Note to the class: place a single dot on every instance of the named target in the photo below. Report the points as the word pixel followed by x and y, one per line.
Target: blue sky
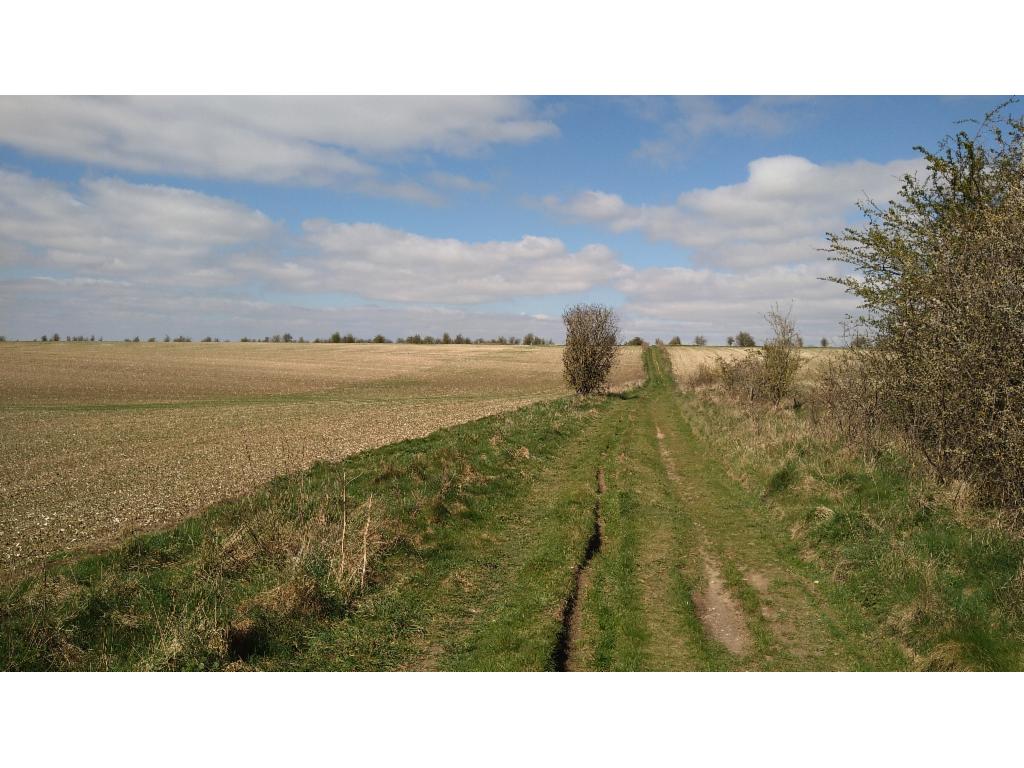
pixel 484 216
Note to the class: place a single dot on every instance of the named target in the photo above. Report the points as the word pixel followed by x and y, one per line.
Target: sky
pixel 251 216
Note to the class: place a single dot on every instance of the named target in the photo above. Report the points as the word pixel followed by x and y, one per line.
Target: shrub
pixel 780 356
pixel 675 342
pixel 636 341
pixel 939 273
pixel 744 339
pixel 767 374
pixel 591 338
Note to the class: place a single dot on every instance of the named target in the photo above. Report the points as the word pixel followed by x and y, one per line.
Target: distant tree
pixel 44 338
pixel 675 341
pixel 636 341
pixel 446 338
pixel 207 338
pixel 730 341
pixel 744 339
pixel 167 337
pixel 824 341
pixel 700 341
pixel 336 337
pixel 55 337
pixel 287 338
pixel 379 339
pixel 591 336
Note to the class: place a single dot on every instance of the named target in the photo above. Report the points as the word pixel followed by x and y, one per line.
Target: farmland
pixel 98 441
pixel 664 527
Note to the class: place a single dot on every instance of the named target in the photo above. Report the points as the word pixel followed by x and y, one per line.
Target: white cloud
pixel 112 227
pixel 377 262
pixel 667 301
pixel 300 140
pixel 114 309
pixel 779 214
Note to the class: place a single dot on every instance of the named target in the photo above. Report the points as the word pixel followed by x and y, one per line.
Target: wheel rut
pixel 563 655
pixel 719 612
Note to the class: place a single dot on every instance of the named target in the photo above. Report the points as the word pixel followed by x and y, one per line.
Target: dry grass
pixel 686 361
pixel 98 441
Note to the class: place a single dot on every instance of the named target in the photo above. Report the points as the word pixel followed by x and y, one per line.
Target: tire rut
pixel 718 611
pixel 563 656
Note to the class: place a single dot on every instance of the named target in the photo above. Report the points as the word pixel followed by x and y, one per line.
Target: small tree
pixel 824 341
pixel 636 341
pixel 675 342
pixel 700 341
pixel 744 339
pixel 730 341
pixel 591 338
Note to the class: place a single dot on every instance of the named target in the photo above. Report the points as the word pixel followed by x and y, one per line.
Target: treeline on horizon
pixel 741 339
pixel 530 339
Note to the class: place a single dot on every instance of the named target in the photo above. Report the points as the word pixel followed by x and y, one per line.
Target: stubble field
pixel 98 441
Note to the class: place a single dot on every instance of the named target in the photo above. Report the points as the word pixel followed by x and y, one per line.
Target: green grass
pixel 474 535
pixel 945 586
pixel 453 523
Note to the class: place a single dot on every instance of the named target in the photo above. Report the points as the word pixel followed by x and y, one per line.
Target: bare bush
pixel 780 356
pixel 766 374
pixel 591 343
pixel 941 277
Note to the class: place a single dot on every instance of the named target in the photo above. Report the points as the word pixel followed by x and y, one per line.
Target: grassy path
pixel 696 574
pixel 599 534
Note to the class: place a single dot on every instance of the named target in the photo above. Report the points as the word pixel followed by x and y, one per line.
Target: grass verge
pixel 430 553
pixel 942 578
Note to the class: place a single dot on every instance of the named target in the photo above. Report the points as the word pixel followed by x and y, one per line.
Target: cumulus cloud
pixel 144 259
pixel 779 214
pixel 378 262
pixel 299 140
pixel 112 227
pixel 115 309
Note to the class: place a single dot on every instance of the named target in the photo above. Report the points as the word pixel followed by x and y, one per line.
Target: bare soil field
pixel 98 441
